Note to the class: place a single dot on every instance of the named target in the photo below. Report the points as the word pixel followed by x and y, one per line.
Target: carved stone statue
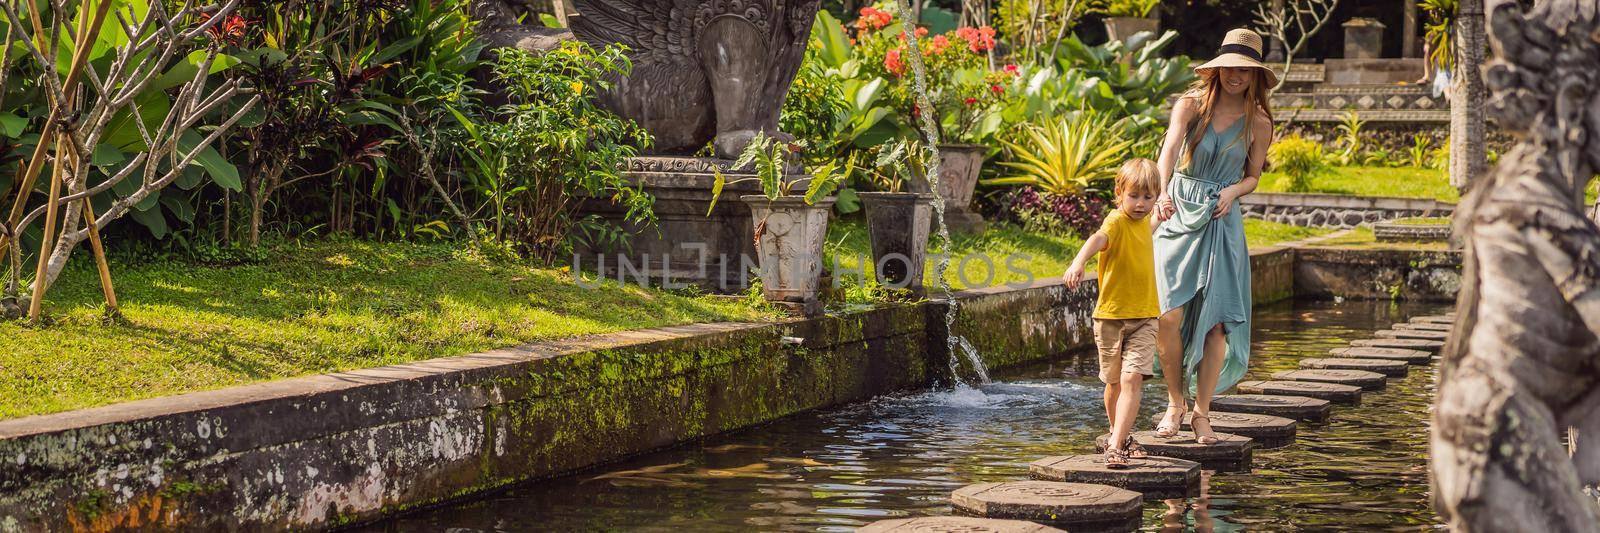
pixel 1524 362
pixel 703 70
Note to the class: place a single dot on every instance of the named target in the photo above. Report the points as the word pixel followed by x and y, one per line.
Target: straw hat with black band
pixel 1240 48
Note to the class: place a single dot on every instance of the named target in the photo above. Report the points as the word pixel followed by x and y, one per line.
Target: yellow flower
pixel 577 87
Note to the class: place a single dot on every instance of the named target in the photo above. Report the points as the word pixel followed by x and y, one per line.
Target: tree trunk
pixel 1523 363
pixel 1468 162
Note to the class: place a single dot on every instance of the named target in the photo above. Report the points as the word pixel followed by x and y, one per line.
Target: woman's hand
pixel 1225 200
pixel 1164 208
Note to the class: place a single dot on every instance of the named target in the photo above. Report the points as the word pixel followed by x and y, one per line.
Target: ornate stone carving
pixel 1522 366
pixel 704 70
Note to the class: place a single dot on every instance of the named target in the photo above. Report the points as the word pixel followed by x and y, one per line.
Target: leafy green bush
pixel 1421 150
pixel 1349 140
pixel 1066 155
pixel 1127 8
pixel 1299 159
pixel 552 145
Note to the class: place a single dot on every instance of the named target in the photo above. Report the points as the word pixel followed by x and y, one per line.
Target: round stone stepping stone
pixel 1158 478
pixel 1357 378
pixel 1435 319
pixel 1411 334
pixel 1422 326
pixel 1387 367
pixel 1296 407
pixel 1414 357
pixel 1231 454
pixel 1332 392
pixel 965 524
pixel 1267 431
pixel 1406 344
pixel 1074 505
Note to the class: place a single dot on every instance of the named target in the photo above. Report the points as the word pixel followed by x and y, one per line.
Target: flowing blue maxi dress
pixel 1203 265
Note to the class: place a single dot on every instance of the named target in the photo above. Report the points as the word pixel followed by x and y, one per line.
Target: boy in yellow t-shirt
pixel 1125 315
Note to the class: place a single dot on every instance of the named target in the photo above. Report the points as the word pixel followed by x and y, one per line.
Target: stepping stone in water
pixel 1422 326
pixel 1231 454
pixel 1158 478
pixel 1415 357
pixel 1345 394
pixel 1361 379
pixel 1296 407
pixel 1435 319
pixel 1267 431
pixel 1078 506
pixel 1411 334
pixel 1387 367
pixel 1405 344
pixel 955 523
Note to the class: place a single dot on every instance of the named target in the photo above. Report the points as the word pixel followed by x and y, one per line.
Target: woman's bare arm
pixel 1177 127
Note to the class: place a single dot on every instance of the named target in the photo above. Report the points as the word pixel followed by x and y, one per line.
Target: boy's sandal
pixel 1205 440
pixel 1134 449
pixel 1116 459
pixel 1168 429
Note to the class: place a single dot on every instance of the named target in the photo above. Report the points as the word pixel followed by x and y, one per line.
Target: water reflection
pixel 901 456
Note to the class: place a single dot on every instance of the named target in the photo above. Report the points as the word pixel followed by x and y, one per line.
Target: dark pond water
pixel 897 456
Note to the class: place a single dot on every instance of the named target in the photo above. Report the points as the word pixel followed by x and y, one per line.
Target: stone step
pixel 1296 407
pixel 1432 346
pixel 1344 394
pixel 1411 334
pixel 1158 478
pixel 1419 116
pixel 1231 454
pixel 1076 506
pixel 1415 357
pixel 1388 367
pixel 1363 379
pixel 1267 431
pixel 1435 319
pixel 956 524
pixel 925 524
pixel 1423 326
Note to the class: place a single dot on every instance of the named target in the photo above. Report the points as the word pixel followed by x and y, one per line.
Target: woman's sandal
pixel 1116 459
pixel 1205 440
pixel 1169 427
pixel 1134 449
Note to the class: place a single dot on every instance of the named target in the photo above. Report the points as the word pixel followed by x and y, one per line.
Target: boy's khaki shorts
pixel 1126 345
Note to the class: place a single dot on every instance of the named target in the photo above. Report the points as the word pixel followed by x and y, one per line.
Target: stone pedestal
pixel 965 524
pixel 1365 380
pixel 1344 394
pixel 1432 346
pixel 1155 477
pixel 687 246
pixel 1412 334
pixel 1386 367
pixel 1415 357
pixel 1296 407
pixel 1121 28
pixel 1231 453
pixel 1422 326
pixel 1436 319
pixel 959 167
pixel 1363 39
pixel 1266 431
pixel 1078 506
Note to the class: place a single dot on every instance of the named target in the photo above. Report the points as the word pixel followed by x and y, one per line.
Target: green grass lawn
pixel 1362 238
pixel 1260 233
pixel 1404 182
pixel 319 308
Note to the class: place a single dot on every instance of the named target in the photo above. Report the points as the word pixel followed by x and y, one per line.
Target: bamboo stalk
pixel 80 55
pixel 100 257
pixel 49 235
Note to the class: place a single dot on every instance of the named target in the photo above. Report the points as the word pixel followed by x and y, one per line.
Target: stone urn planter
pixel 789 235
pixel 1121 28
pixel 959 166
pixel 898 224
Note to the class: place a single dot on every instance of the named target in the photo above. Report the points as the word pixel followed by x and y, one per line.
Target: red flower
pixel 873 19
pixel 229 31
pixel 892 62
pixel 922 32
pixel 1011 69
pixel 997 89
pixel 938 44
pixel 970 101
pixel 978 39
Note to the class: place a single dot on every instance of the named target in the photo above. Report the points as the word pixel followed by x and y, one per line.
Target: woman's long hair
pixel 1207 90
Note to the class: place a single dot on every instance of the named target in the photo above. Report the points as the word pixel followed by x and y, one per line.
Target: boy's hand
pixel 1164 208
pixel 1073 276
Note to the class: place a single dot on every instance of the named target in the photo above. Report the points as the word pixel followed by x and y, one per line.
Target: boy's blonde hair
pixel 1139 174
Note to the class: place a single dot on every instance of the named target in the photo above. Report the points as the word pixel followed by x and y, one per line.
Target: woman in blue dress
pixel 1214 151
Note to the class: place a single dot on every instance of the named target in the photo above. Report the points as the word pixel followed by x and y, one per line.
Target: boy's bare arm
pixel 1095 245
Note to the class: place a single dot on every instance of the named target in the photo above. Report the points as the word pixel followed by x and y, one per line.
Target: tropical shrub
pixel 1421 147
pixel 1439 30
pixel 1058 214
pixel 770 161
pixel 1126 8
pixel 1349 139
pixel 1066 155
pixel 1298 159
pixel 552 146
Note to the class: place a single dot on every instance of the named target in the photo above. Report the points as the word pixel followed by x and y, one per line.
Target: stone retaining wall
pixel 323 451
pixel 1377 274
pixel 1337 211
